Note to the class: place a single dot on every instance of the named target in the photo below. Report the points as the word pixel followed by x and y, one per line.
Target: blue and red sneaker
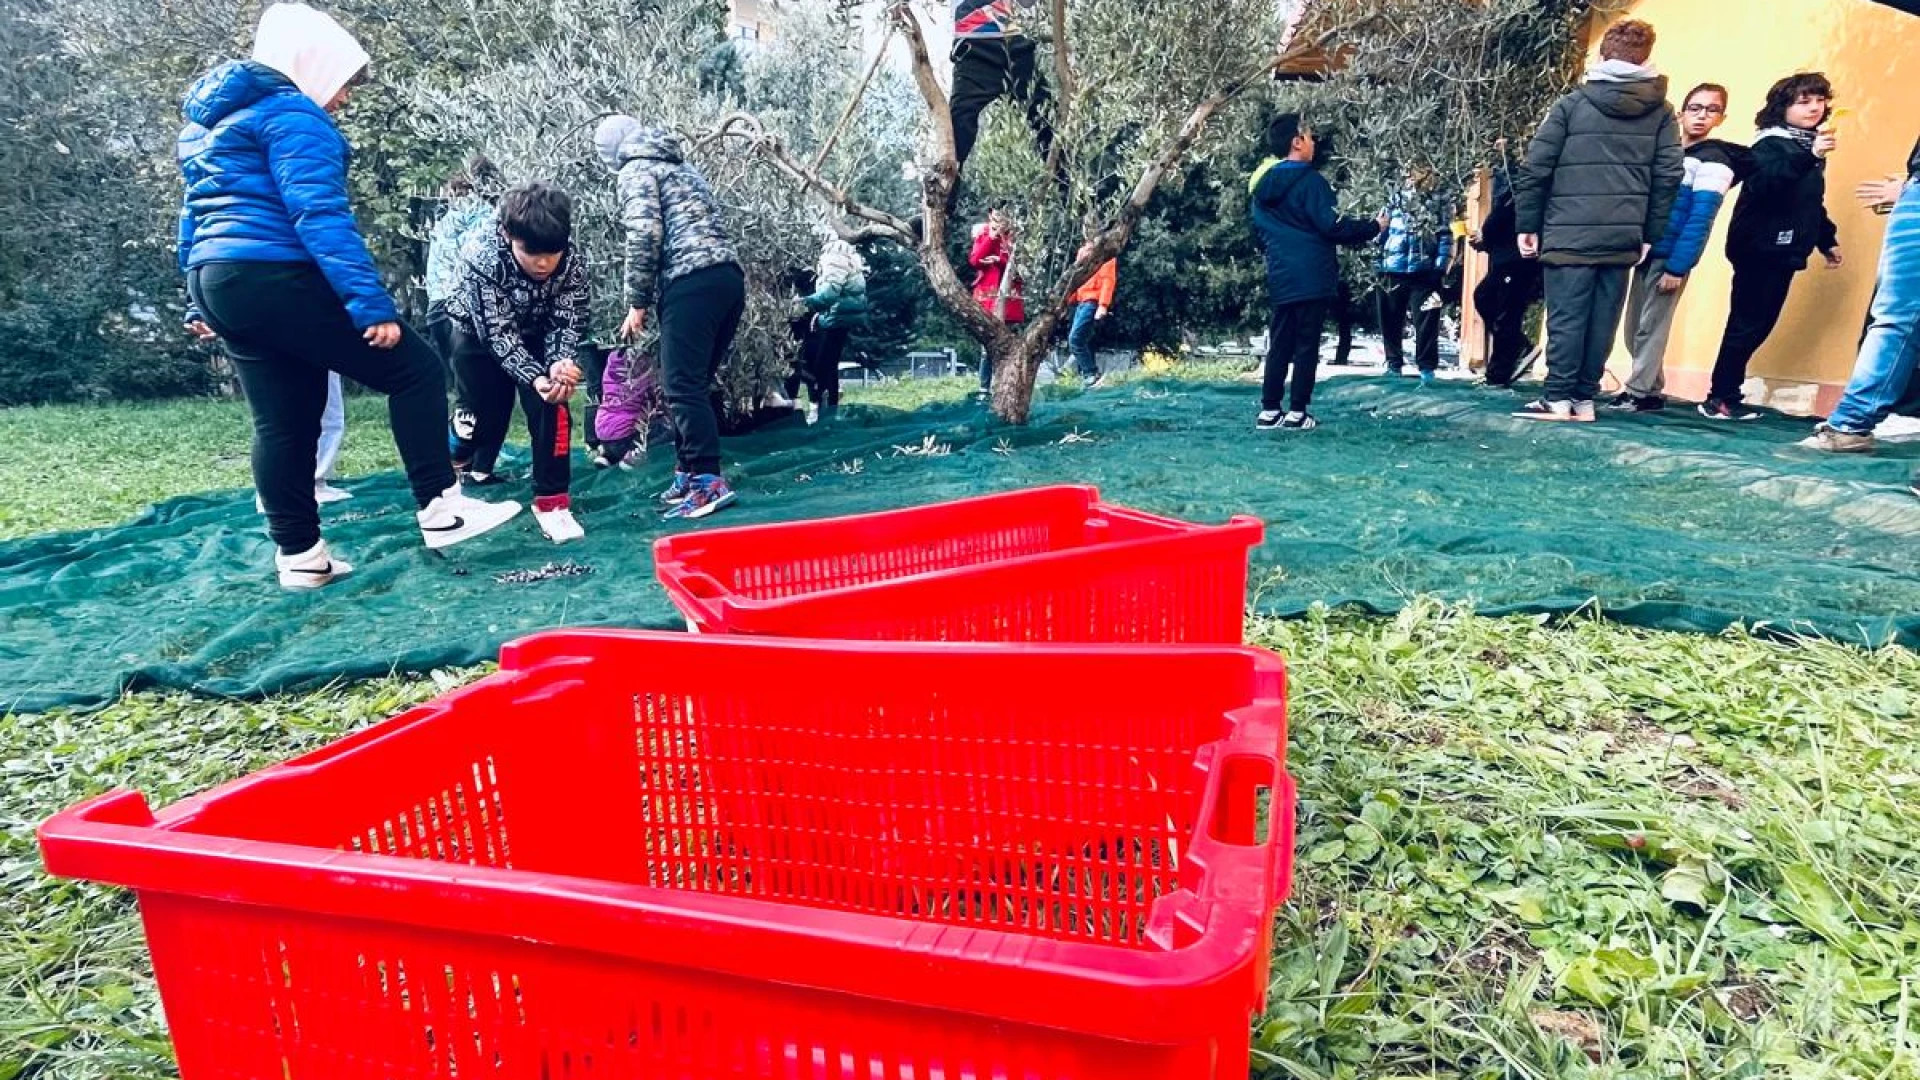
pixel 705 495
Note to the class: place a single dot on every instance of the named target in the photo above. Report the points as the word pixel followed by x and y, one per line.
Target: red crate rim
pixel 698 593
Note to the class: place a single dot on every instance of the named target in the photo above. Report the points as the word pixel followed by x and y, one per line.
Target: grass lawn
pixel 1527 849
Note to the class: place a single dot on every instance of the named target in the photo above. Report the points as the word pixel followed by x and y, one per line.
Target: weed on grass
pixel 1532 850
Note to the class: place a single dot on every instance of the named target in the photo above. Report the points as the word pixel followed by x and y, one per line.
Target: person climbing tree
pixel 993 57
pixel 996 283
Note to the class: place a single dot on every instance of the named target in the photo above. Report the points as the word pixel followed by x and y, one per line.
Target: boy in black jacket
pixel 1511 284
pixel 1781 219
pixel 1295 225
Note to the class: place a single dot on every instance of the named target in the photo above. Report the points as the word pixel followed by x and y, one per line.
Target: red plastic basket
pixel 635 855
pixel 1050 564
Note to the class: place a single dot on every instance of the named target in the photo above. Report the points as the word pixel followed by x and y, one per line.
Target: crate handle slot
pixel 703 586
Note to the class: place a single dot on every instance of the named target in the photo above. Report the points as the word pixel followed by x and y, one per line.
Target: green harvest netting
pixel 1668 521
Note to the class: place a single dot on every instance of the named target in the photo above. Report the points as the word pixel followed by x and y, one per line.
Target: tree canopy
pixel 1158 110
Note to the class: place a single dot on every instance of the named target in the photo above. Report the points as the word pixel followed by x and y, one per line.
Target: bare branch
pixel 1066 86
pixel 853 104
pixel 741 125
pixel 946 171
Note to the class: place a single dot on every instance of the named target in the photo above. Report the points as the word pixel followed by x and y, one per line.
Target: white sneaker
pixel 559 525
pixel 324 493
pixel 813 413
pixel 1546 410
pixel 310 569
pixel 1583 412
pixel 454 517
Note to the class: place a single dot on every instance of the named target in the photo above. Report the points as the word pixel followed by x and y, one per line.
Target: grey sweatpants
pixel 1583 315
pixel 1649 323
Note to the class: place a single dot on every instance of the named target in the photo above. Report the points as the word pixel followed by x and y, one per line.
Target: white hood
pixel 307 46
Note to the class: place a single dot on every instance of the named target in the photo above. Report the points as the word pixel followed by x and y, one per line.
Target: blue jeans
pixel 1080 339
pixel 1888 355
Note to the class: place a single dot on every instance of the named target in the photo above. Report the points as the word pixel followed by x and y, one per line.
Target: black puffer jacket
pixel 1602 173
pixel 1782 213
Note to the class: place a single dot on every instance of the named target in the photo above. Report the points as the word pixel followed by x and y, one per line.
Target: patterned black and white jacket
pixel 511 312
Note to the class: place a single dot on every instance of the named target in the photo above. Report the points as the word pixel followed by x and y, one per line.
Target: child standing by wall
pixel 1780 220
pixel 518 311
pixel 1713 167
pixel 1596 194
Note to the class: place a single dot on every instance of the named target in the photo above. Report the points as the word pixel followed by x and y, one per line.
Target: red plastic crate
pixel 650 856
pixel 1049 564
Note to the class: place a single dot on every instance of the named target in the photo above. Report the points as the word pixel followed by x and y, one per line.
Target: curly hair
pixel 1630 40
pixel 1787 92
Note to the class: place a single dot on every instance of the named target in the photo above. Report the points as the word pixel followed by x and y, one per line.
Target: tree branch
pixel 1066 86
pixel 840 125
pixel 740 125
pixel 946 170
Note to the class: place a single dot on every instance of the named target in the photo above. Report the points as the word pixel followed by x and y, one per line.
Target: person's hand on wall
pixel 1825 143
pixel 1880 195
pixel 1834 259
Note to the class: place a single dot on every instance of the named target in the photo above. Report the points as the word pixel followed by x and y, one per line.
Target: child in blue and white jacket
pixel 1713 167
pixel 1416 250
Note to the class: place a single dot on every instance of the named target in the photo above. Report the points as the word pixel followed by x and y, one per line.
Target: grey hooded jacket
pixel 674 224
pixel 1602 173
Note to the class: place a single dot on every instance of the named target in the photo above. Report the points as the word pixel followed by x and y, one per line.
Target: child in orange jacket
pixel 1091 303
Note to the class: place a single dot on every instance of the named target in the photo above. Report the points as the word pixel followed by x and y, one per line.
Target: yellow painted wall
pixel 1872 54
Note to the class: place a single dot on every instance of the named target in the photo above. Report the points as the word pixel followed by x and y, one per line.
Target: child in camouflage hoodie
pixel 680 261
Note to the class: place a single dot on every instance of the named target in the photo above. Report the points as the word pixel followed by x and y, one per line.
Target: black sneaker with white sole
pixel 1269 420
pixel 1299 421
pixel 1627 402
pixel 1715 409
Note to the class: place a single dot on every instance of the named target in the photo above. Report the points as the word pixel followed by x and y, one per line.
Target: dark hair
pixel 1707 88
pixel 1282 131
pixel 1786 92
pixel 1629 39
pixel 479 174
pixel 538 215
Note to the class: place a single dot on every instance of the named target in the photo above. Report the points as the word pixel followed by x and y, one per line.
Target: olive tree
pixel 533 106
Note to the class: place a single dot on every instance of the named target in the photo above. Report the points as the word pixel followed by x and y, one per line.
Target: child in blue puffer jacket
pixel 276 268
